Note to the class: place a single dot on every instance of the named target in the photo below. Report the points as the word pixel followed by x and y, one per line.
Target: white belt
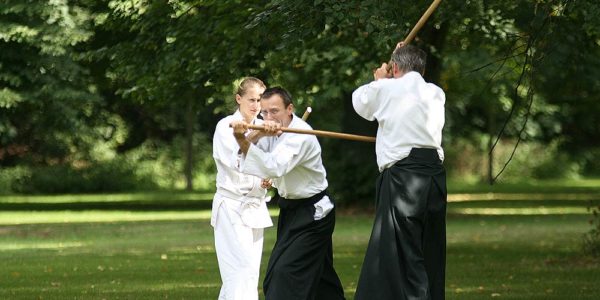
pixel 252 210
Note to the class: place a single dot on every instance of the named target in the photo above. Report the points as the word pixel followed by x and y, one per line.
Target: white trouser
pixel 239 250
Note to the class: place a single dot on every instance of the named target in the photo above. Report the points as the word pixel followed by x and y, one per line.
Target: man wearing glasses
pixel 301 264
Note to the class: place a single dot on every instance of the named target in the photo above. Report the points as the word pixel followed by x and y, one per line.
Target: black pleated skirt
pixel 301 264
pixel 406 255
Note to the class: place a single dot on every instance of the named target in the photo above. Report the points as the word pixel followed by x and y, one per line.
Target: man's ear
pixel 290 109
pixel 396 72
pixel 395 69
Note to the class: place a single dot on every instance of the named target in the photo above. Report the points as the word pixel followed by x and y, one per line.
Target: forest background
pixel 120 96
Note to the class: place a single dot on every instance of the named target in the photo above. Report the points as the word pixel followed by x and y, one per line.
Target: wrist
pixel 244 144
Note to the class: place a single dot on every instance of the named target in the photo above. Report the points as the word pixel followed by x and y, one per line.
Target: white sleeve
pixel 365 100
pixel 225 148
pixel 277 163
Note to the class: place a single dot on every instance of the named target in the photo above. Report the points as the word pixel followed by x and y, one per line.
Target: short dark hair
pixel 277 90
pixel 410 58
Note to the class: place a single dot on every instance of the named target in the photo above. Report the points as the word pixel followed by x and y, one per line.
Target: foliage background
pixel 103 96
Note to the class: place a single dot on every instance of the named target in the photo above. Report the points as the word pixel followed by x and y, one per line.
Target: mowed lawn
pixel 502 249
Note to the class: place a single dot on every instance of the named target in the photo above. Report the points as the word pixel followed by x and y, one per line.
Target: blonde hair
pixel 247 83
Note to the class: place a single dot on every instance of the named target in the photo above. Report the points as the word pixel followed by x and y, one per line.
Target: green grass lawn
pixel 513 257
pixel 503 249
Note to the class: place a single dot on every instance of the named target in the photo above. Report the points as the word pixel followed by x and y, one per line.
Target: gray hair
pixel 410 58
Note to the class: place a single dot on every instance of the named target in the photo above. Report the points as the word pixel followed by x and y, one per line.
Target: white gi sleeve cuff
pixel 323 208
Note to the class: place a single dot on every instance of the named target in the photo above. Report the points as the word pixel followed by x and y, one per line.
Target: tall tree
pixel 174 58
pixel 47 103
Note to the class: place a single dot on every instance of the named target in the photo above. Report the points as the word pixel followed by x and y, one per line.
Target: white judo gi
pixel 239 216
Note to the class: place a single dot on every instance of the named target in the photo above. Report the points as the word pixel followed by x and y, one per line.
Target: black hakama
pixel 406 255
pixel 301 264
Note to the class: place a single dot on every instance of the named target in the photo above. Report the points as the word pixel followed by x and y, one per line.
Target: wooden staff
pixel 306 113
pixel 337 135
pixel 422 21
pixel 413 33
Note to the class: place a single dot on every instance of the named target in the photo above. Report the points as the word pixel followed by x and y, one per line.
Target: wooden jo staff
pixel 413 33
pixel 422 21
pixel 306 113
pixel 353 137
pixel 345 136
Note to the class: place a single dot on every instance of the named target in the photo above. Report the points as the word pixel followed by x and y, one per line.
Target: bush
pixel 9 177
pixel 164 162
pixel 591 163
pixel 467 160
pixel 556 165
pixel 591 240
pixel 113 176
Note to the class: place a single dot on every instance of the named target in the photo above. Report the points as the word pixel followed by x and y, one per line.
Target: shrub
pixel 591 240
pixel 9 177
pixel 112 176
pixel 467 160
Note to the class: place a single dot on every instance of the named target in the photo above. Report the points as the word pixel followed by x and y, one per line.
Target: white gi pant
pixel 239 250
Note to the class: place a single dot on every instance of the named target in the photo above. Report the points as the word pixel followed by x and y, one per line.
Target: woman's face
pixel 249 103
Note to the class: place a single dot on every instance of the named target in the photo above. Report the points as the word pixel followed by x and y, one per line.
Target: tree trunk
pixel 437 39
pixel 491 134
pixel 189 144
pixel 490 173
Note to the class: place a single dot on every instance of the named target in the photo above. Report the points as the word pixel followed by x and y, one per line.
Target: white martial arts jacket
pixel 293 161
pixel 410 113
pixel 241 193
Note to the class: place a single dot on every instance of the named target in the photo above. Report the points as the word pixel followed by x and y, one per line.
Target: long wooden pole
pixel 306 113
pixel 323 133
pixel 422 21
pixel 413 33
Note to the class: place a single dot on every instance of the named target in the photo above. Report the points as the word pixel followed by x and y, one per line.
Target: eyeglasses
pixel 271 112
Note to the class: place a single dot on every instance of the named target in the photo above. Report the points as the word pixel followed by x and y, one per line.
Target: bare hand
pixel 266 183
pixel 381 72
pixel 239 129
pixel 272 128
pixel 399 45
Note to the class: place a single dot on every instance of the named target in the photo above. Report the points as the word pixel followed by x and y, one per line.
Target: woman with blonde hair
pixel 239 211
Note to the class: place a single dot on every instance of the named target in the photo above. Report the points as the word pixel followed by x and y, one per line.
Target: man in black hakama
pixel 406 255
pixel 406 252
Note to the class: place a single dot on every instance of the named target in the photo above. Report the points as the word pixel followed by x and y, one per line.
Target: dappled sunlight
pixel 519 211
pixel 205 249
pixel 123 197
pixel 177 286
pixel 521 196
pixel 341 255
pixel 139 287
pixel 40 246
pixel 194 250
pixel 108 288
pixel 102 216
pixel 480 290
pixel 95 216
